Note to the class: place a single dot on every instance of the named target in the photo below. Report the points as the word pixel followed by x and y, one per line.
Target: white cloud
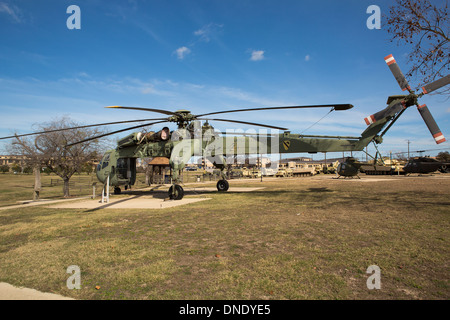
pixel 201 33
pixel 307 57
pixel 11 10
pixel 257 55
pixel 206 32
pixel 182 52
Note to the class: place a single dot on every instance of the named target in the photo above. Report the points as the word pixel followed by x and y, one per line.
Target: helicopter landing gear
pixel 176 192
pixel 222 185
pixel 117 190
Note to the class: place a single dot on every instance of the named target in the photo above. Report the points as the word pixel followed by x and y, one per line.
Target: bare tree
pixel 50 149
pixel 425 27
pixel 33 158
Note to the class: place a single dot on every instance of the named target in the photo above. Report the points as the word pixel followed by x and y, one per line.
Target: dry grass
pixel 305 238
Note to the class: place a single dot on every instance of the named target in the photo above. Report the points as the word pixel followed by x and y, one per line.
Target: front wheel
pixel 176 194
pixel 222 185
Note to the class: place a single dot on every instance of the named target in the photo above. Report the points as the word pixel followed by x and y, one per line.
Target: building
pixel 21 160
pixel 10 160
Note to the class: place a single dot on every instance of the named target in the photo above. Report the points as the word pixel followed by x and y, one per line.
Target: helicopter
pixel 349 168
pixel 194 137
pixel 425 165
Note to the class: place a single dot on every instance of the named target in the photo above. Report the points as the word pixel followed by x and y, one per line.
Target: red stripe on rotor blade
pixel 421 106
pixel 406 88
pixel 439 137
pixel 370 119
pixel 389 59
pixel 424 90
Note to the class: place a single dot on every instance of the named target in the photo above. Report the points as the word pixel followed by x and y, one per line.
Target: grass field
pixel 298 238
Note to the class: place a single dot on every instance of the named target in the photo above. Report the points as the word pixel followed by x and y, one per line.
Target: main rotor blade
pixel 431 124
pixel 436 84
pixel 79 127
pixel 114 132
pixel 395 69
pixel 337 107
pixel 245 122
pixel 170 113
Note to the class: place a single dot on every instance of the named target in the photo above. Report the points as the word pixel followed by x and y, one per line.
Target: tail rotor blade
pixel 395 69
pixel 436 84
pixel 387 112
pixel 431 124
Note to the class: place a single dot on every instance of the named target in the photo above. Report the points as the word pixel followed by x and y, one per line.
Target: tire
pixel 222 185
pixel 178 194
pixel 117 190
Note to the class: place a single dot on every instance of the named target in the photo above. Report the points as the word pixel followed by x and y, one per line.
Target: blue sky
pixel 205 56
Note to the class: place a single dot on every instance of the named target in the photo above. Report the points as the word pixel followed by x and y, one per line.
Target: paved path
pixel 9 292
pixel 32 203
pixel 132 202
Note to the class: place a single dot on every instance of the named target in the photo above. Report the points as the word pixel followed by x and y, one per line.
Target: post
pixel 408 148
pixel 107 189
pixel 105 197
pixel 93 189
pixel 260 166
pixel 37 182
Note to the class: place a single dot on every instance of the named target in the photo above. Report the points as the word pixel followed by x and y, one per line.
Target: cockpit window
pixel 105 161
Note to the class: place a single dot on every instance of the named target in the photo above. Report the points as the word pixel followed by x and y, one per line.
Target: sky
pixel 205 56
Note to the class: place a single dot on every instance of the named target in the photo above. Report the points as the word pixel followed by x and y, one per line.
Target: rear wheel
pixel 117 190
pixel 222 185
pixel 176 192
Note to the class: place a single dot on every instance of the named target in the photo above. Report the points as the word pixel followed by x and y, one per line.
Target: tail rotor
pixel 411 99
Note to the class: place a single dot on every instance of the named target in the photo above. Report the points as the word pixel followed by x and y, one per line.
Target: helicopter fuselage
pixel 180 145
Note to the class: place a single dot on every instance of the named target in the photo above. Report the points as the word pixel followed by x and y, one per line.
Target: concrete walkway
pixel 32 203
pixel 132 202
pixel 9 292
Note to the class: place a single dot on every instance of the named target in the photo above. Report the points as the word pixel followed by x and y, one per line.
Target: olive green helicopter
pixel 195 137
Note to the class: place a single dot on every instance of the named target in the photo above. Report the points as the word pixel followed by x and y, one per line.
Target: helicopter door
pixel 126 169
pixel 122 168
